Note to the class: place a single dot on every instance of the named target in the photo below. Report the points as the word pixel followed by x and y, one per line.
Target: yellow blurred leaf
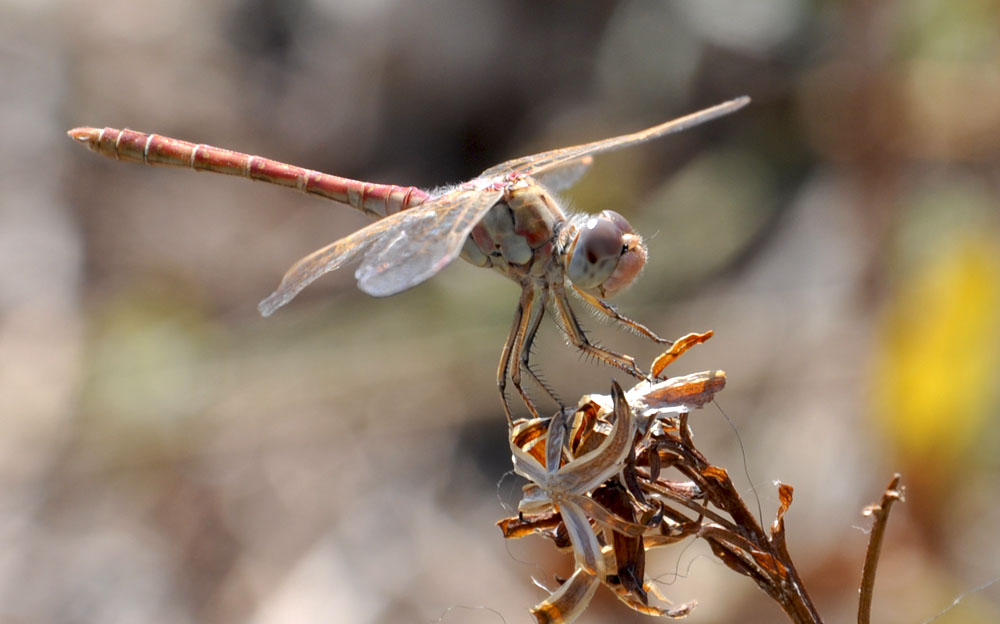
pixel 936 382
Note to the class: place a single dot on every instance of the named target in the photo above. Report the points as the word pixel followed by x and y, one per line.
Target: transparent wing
pixel 553 159
pixel 397 252
pixel 560 178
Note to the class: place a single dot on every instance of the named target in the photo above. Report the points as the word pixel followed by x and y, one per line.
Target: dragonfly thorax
pixel 517 235
pixel 604 254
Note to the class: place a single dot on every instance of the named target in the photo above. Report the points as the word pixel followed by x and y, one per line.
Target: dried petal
pixel 585 473
pixel 715 473
pixel 676 612
pixel 629 552
pixel 519 526
pixel 568 602
pixel 690 390
pixel 528 436
pixel 606 518
pixel 554 442
pixel 586 548
pixel 785 501
pixel 770 563
pixel 677 349
pixel 581 433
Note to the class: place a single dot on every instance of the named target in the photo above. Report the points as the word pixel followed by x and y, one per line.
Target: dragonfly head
pixel 606 254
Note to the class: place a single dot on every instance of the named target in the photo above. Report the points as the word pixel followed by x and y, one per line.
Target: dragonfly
pixel 508 219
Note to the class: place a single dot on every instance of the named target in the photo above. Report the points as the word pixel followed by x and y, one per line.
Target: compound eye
pixel 598 247
pixel 618 220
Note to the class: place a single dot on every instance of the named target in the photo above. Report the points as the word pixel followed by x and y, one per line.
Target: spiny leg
pixel 576 336
pixel 504 366
pixel 610 311
pixel 537 377
pixel 527 317
pixel 531 308
pixel 521 351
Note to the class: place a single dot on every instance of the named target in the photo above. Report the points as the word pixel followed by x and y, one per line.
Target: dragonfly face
pixel 606 254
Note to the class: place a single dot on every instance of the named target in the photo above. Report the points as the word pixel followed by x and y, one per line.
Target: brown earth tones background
pixel 168 456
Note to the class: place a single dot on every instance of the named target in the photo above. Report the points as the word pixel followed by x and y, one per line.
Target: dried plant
pixel 598 486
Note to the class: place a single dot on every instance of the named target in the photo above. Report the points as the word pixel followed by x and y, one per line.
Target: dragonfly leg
pixel 522 347
pixel 516 351
pixel 504 367
pixel 609 310
pixel 569 323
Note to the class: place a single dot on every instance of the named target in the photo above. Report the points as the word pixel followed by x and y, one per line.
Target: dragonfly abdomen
pixel 376 200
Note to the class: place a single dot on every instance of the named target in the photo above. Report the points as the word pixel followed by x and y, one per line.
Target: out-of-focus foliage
pixel 168 456
pixel 940 334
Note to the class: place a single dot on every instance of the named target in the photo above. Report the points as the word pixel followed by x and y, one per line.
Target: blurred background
pixel 166 455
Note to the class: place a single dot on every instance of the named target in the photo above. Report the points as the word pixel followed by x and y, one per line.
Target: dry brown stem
pixel 881 514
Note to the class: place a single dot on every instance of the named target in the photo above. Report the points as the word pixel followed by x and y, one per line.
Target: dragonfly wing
pixel 320 262
pixel 396 252
pixel 413 254
pixel 561 178
pixel 552 159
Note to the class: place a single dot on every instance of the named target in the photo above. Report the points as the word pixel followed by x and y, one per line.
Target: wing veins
pixel 457 212
pixel 545 161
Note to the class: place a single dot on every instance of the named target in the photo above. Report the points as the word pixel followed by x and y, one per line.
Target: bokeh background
pixel 166 455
